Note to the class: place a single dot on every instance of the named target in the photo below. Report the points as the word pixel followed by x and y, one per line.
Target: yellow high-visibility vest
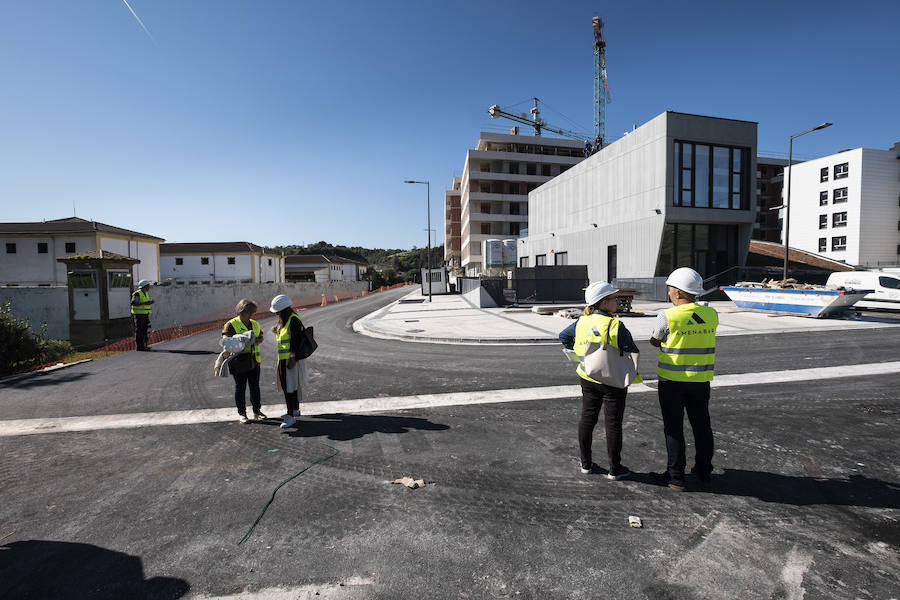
pixel 143 307
pixel 689 352
pixel 284 338
pixel 239 327
pixel 592 328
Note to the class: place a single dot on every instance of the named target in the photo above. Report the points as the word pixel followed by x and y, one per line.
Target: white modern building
pixel 493 190
pixel 846 206
pixel 320 268
pixel 677 191
pixel 218 262
pixel 28 251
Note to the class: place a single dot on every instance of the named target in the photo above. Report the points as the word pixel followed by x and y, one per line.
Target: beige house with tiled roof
pixel 28 251
pixel 210 262
pixel 318 267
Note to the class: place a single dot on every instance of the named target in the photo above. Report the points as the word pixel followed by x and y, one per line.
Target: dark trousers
pixel 593 396
pixel 676 398
pixel 240 387
pixel 291 399
pixel 141 325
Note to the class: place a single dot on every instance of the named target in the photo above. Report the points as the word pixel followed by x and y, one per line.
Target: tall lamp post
pixel 428 256
pixel 787 199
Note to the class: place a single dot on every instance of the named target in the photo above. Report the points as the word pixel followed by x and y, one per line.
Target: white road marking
pixel 395 403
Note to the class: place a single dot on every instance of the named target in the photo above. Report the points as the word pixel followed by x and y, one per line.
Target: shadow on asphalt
pixel 48 569
pixel 191 352
pixel 856 490
pixel 342 427
pixel 37 380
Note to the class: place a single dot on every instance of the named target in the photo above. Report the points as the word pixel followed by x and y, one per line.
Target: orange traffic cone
pixel 324 301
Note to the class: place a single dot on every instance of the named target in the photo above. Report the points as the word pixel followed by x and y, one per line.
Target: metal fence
pixel 535 285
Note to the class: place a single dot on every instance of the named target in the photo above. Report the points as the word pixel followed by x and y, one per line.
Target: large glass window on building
pixel 708 249
pixel 710 176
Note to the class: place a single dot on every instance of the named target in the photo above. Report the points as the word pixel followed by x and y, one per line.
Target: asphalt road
pixel 804 503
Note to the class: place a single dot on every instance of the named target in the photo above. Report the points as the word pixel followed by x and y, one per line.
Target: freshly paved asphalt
pixel 804 503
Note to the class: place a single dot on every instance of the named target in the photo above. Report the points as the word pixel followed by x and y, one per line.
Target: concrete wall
pixel 40 305
pixel 186 303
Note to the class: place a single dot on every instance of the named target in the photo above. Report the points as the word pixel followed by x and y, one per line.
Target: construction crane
pixel 535 122
pixel 601 83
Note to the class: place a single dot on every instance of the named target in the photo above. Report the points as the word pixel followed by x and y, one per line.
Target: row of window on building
pixel 42 248
pixel 841 171
pixel 838 219
pixel 515 168
pixel 204 260
pixel 838 195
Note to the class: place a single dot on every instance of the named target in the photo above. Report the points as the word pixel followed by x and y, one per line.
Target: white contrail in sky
pixel 147 31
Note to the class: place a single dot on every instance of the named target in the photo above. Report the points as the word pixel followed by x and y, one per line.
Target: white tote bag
pixel 603 363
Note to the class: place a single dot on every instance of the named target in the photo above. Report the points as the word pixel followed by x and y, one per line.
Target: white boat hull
pixel 805 303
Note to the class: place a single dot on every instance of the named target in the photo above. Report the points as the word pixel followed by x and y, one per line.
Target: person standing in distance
pixel 291 372
pixel 242 378
pixel 600 298
pixel 140 312
pixel 686 337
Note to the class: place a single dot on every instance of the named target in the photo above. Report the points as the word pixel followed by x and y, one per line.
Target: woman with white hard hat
pixel 600 301
pixel 291 371
pixel 245 366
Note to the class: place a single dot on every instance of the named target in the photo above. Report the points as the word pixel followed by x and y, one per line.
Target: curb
pixel 50 369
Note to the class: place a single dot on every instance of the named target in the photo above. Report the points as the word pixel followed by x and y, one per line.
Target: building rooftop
pixel 98 254
pixel 70 225
pixel 194 247
pixel 776 250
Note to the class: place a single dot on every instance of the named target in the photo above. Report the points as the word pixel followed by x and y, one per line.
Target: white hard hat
pixel 597 291
pixel 686 280
pixel 143 282
pixel 279 303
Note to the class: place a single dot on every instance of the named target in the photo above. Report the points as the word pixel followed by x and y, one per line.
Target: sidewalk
pixel 452 319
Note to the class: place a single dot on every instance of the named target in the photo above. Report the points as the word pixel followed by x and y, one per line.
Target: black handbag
pixel 308 344
pixel 242 363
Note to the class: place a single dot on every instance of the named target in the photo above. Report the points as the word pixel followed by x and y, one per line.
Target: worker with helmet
pixel 291 371
pixel 245 367
pixel 600 301
pixel 140 313
pixel 686 337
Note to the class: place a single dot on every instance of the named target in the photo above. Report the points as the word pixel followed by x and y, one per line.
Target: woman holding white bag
pixel 597 326
pixel 244 365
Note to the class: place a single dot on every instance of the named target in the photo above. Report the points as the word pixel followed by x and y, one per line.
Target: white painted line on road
pixel 395 403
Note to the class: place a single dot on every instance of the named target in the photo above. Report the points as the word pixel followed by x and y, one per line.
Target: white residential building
pixel 676 191
pixel 28 251
pixel 846 206
pixel 317 267
pixel 493 190
pixel 210 262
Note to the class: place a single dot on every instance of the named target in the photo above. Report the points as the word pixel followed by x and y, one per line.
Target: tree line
pixel 387 266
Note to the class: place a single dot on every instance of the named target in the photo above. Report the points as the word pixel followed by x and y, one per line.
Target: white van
pixel 886 286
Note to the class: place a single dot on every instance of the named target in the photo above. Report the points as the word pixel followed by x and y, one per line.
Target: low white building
pixel 28 251
pixel 317 267
pixel 211 262
pixel 677 191
pixel 846 206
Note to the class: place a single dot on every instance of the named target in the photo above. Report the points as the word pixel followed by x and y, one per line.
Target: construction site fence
pixel 215 321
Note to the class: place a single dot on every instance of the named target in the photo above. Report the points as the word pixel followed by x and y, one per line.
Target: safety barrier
pixel 217 322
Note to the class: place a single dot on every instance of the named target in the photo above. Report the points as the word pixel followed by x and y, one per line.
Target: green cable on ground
pixel 275 491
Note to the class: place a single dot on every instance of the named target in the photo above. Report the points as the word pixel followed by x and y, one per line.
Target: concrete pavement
pixel 453 319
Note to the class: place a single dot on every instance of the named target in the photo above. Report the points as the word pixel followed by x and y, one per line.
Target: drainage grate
pixel 412 301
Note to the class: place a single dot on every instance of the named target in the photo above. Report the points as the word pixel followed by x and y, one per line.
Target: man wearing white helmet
pixel 140 312
pixel 686 337
pixel 600 300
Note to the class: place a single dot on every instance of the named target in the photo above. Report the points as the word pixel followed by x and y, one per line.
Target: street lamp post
pixel 428 256
pixel 787 199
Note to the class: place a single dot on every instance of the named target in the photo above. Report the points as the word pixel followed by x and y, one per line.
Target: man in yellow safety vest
pixel 140 312
pixel 686 337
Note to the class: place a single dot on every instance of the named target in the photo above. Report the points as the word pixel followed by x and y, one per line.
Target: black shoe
pixel 619 474
pixel 593 469
pixel 703 478
pixel 666 479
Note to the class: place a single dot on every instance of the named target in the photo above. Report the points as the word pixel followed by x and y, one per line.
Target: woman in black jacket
pixel 291 370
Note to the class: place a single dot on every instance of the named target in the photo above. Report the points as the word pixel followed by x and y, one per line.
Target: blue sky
pixel 283 122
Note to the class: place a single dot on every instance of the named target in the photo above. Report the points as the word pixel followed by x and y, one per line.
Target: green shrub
pixel 21 348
